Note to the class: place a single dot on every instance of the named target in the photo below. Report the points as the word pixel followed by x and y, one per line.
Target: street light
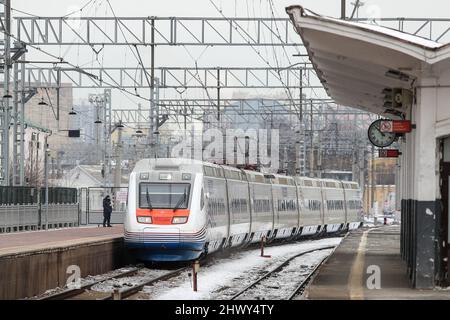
pixel 42 102
pixel 7 95
pixel 120 125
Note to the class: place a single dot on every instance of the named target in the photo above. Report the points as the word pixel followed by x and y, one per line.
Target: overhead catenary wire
pixel 237 27
pixel 136 94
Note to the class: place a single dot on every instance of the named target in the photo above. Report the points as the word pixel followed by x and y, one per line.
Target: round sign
pixel 378 138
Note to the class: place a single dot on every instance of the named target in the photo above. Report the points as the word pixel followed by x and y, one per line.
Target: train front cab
pixel 164 221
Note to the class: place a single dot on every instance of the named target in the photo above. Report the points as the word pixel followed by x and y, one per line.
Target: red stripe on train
pixel 162 216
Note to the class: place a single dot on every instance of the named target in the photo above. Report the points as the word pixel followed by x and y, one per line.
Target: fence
pixel 24 208
pixel 91 204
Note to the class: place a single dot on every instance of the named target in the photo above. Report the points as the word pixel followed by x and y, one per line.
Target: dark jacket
pixel 107 209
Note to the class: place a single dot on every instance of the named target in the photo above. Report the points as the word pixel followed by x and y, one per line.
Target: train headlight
pixel 179 220
pixel 165 176
pixel 186 176
pixel 145 220
pixel 144 176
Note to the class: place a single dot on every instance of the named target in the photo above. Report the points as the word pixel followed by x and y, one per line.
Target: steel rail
pixel 305 282
pixel 66 294
pixel 125 293
pixel 277 269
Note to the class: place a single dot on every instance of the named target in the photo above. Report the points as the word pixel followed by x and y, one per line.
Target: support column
pixel 424 203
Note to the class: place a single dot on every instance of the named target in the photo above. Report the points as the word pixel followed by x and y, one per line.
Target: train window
pixel 233 175
pixel 164 195
pixel 307 183
pixel 218 172
pixel 209 171
pixel 259 179
pixel 227 174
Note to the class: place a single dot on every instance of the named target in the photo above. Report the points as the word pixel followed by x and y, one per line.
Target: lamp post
pixel 47 151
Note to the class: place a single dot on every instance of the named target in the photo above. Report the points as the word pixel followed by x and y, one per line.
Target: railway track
pixel 135 279
pixel 121 294
pixel 71 293
pixel 246 293
pixel 88 292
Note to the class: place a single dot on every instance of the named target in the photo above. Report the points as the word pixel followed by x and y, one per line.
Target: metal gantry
pixel 169 31
pixel 196 109
pixel 173 31
pixel 174 77
pixel 40 32
pixel 435 29
pixel 100 32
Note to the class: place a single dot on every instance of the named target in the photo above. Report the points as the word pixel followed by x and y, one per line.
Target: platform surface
pixel 22 242
pixel 350 269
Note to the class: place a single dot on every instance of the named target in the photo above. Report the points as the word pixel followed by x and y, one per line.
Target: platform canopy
pixel 356 62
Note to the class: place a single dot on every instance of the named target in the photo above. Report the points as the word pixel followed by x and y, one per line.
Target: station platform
pixel 22 242
pixel 354 264
pixel 33 262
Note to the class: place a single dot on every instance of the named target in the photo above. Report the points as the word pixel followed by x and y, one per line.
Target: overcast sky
pixel 388 8
pixel 177 56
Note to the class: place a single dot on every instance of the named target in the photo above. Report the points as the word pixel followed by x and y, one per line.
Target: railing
pixel 19 217
pixel 25 209
pixel 436 29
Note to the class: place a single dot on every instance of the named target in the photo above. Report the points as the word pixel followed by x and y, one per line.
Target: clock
pixel 378 138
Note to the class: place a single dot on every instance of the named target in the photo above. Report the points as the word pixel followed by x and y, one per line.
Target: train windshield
pixel 164 195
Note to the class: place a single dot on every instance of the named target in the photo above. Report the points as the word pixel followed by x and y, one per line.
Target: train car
pixel 181 209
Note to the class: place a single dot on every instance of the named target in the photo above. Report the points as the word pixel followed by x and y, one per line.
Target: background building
pixel 379 193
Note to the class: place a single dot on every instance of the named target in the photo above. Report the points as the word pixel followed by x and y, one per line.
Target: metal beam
pixel 169 31
pixel 436 29
pixel 199 109
pixel 173 77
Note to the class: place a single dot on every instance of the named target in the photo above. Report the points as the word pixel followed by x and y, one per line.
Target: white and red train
pixel 179 209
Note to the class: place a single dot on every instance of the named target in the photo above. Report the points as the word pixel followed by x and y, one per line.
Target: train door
pixel 345 203
pixel 323 197
pixel 250 204
pixel 272 200
pixel 299 205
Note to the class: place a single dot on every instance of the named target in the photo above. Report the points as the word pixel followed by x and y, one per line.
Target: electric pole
pixel 343 5
pixel 5 112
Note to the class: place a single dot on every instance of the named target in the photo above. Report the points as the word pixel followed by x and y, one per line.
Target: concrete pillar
pixel 423 207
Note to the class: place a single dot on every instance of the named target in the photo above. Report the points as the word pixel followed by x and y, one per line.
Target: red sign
pixel 396 126
pixel 388 153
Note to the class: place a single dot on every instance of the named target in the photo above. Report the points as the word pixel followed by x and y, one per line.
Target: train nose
pixel 161 237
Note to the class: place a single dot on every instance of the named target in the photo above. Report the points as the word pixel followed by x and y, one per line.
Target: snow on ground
pixel 131 281
pixel 87 280
pixel 370 221
pixel 282 284
pixel 233 273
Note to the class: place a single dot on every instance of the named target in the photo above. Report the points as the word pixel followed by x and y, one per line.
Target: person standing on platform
pixel 107 210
